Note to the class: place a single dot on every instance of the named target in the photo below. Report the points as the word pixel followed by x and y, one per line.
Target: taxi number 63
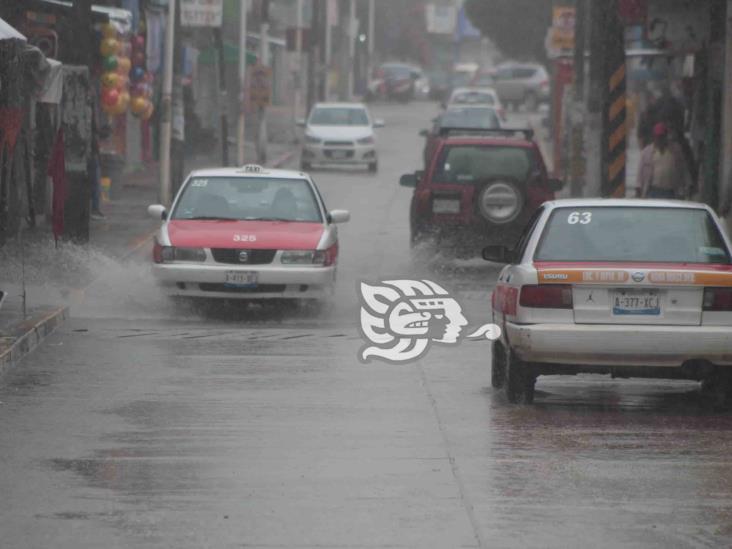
pixel 245 238
pixel 583 218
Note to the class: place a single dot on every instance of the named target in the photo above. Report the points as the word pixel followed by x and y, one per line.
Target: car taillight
pixel 331 254
pixel 718 299
pixel 423 201
pixel 546 296
pixel 157 252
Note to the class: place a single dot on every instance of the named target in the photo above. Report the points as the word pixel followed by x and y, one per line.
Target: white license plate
pixel 445 206
pixel 241 278
pixel 630 302
pixel 338 155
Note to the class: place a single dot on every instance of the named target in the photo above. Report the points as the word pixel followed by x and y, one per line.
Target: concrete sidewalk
pixel 53 278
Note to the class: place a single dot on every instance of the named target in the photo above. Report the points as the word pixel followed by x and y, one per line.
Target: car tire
pixel 373 167
pixel 520 380
pixel 531 101
pixel 306 166
pixel 498 365
pixel 496 192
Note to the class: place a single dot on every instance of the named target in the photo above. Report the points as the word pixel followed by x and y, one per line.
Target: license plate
pixel 626 302
pixel 338 155
pixel 445 206
pixel 241 278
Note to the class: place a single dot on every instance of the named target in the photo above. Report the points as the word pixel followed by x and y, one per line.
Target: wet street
pixel 142 423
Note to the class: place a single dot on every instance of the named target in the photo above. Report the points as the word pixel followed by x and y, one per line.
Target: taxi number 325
pixel 583 218
pixel 245 238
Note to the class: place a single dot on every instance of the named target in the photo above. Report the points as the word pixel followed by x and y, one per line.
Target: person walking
pixel 663 172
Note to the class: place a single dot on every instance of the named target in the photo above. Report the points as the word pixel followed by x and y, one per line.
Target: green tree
pixel 517 27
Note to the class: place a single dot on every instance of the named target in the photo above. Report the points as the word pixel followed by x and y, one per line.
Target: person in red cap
pixel 663 172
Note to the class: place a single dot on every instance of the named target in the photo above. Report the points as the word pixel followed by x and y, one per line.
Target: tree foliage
pixel 518 28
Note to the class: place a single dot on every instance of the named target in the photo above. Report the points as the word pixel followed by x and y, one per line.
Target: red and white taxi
pixel 631 288
pixel 247 232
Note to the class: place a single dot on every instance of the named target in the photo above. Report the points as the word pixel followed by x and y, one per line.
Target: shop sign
pixel 201 13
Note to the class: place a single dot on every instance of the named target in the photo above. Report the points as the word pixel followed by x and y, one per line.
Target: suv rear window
pixel 471 163
pixel 663 235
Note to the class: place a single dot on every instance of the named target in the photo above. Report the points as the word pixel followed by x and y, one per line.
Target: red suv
pixel 479 188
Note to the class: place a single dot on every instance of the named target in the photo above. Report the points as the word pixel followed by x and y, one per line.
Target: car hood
pixel 337 133
pixel 250 235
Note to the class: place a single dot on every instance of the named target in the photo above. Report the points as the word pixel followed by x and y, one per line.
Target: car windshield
pixel 469 118
pixel 472 163
pixel 473 97
pixel 664 235
pixel 248 198
pixel 339 116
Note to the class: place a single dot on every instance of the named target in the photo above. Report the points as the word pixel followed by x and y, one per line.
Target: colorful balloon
pixel 138 58
pixel 137 74
pixel 110 96
pixel 111 80
pixel 138 42
pixel 109 46
pixel 109 63
pixel 124 64
pixel 149 112
pixel 109 31
pixel 138 106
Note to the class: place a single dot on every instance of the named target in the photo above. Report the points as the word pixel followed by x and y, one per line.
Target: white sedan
pixel 340 134
pixel 631 288
pixel 247 233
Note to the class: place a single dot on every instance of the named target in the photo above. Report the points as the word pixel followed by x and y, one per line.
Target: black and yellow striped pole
pixel 615 128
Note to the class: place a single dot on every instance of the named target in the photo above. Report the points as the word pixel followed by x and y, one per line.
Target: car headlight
pixel 169 254
pixel 303 257
pixel 366 140
pixel 312 140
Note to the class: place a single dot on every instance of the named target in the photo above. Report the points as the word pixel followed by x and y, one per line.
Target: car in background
pixel 479 188
pixel 477 117
pixel 439 81
pixel 399 82
pixel 630 288
pixel 484 78
pixel 476 96
pixel 247 233
pixel 522 84
pixel 462 74
pixel 339 134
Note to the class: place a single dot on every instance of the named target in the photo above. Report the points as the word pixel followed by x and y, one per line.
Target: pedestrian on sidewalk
pixel 663 172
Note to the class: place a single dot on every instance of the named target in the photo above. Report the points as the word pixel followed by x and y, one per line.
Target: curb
pixel 29 334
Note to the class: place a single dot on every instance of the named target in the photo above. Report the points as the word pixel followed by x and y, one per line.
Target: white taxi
pixel 631 288
pixel 245 233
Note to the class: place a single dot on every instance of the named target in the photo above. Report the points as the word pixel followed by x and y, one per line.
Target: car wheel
pixel 306 166
pixel 520 380
pixel 498 365
pixel 373 167
pixel 531 101
pixel 500 201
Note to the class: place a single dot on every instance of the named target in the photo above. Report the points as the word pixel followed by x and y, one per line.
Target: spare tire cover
pixel 500 202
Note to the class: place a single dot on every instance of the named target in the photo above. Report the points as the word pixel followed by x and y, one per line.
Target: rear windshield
pixel 473 98
pixel 248 198
pixel 474 163
pixel 664 235
pixel 469 118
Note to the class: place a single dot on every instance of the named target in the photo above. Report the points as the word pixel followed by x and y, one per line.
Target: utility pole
pixel 352 30
pixel 166 104
pixel 264 60
pixel 580 44
pixel 223 98
pixel 298 58
pixel 327 51
pixel 371 38
pixel 595 99
pixel 241 136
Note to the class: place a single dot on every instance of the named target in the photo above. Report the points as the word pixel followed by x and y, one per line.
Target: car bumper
pixel 473 236
pixel 609 345
pixel 320 154
pixel 272 282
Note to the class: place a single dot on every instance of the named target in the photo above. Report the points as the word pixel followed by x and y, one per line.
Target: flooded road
pixel 142 423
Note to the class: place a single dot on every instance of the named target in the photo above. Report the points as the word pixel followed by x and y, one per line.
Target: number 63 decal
pixel 583 218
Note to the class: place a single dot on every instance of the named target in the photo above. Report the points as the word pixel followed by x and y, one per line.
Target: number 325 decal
pixel 245 238
pixel 583 218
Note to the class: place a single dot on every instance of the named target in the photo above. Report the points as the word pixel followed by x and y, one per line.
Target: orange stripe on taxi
pixel 617 276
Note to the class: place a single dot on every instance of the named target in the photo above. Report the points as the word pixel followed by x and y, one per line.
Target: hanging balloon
pixel 137 74
pixel 149 112
pixel 138 89
pixel 149 78
pixel 138 58
pixel 124 96
pixel 109 63
pixel 123 65
pixel 138 106
pixel 110 96
pixel 109 46
pixel 109 31
pixel 138 42
pixel 111 80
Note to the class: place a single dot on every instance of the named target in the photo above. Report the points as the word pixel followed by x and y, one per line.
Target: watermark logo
pixel 401 319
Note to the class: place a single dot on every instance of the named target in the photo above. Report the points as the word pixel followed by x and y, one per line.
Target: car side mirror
pixel 555 185
pixel 339 216
pixel 424 133
pixel 157 212
pixel 408 180
pixel 497 254
pixel 379 123
pixel 300 122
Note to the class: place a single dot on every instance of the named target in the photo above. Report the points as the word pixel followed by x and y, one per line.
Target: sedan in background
pixel 522 84
pixel 340 134
pixel 247 233
pixel 477 96
pixel 630 288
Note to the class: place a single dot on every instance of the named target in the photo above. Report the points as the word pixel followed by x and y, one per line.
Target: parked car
pixel 477 96
pixel 479 117
pixel 340 134
pixel 480 187
pixel 247 233
pixel 398 82
pixel 522 84
pixel 630 288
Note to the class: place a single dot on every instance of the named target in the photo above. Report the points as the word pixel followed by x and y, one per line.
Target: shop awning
pixel 7 32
